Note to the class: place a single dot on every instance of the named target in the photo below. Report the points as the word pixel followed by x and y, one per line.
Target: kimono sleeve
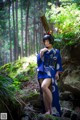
pixel 59 63
pixel 40 63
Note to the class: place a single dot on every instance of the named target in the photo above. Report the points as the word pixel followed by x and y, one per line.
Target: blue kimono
pixel 48 65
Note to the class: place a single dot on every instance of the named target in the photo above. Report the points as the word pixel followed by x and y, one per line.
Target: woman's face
pixel 47 44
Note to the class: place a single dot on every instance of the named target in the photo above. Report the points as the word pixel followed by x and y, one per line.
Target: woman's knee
pixel 45 84
pixel 43 87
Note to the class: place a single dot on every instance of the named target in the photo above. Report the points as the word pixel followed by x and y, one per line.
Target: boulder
pixel 71 80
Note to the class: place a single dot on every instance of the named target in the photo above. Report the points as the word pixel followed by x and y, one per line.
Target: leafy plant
pixel 8 87
pixel 66 20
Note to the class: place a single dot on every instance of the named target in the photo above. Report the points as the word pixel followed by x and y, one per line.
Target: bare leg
pixel 45 101
pixel 44 97
pixel 47 95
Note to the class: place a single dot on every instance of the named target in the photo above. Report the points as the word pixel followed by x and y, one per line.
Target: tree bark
pixel 34 31
pixel 26 30
pixel 45 23
pixel 14 37
pixel 58 3
pixel 10 36
pixel 22 49
pixel 16 32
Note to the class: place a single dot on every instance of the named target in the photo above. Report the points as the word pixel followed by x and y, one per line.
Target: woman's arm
pixel 59 68
pixel 57 76
pixel 42 51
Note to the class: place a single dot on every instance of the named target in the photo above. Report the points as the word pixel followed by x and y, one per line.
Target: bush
pixel 66 20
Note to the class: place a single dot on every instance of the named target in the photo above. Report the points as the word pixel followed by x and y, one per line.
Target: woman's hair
pixel 48 37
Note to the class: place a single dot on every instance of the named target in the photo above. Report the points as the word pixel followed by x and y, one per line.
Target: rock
pixel 71 52
pixel 66 95
pixel 72 114
pixel 76 113
pixel 71 74
pixel 66 105
pixel 66 112
pixel 75 51
pixel 25 118
pixel 71 81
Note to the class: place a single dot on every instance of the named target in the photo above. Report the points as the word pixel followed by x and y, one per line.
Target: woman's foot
pixel 47 113
pixel 51 111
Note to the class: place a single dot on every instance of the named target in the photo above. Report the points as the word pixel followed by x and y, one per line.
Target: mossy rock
pixel 28 96
pixel 23 66
pixel 50 117
pixel 39 116
pixel 22 77
pixel 5 66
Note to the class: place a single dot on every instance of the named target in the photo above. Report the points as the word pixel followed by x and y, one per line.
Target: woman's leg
pixel 45 102
pixel 47 95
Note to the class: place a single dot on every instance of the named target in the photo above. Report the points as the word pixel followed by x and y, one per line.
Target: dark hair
pixel 48 37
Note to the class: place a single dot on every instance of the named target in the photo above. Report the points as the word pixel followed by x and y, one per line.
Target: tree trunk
pixel 14 37
pixel 28 39
pixel 16 32
pixel 45 23
pixel 22 50
pixel 34 30
pixel 36 42
pixel 26 30
pixel 58 3
pixel 10 36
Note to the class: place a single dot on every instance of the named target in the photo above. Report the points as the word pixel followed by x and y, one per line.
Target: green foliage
pixel 11 77
pixel 30 96
pixel 67 21
pixel 5 82
pixel 7 89
pixel 8 99
pixel 20 71
pixel 8 86
pixel 52 117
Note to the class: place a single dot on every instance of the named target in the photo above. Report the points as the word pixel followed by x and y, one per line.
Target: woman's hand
pixel 57 76
pixel 42 51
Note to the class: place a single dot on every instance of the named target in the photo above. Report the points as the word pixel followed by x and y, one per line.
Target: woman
pixel 49 68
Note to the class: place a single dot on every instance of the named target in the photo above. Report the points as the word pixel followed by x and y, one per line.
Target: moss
pixel 50 117
pixel 7 90
pixel 33 94
pixel 29 96
pixel 25 65
pixel 26 78
pixel 22 77
pixel 6 66
pixel 20 71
